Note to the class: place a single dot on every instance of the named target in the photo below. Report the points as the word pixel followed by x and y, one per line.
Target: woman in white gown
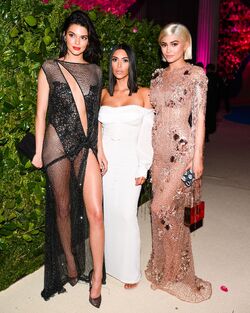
pixel 125 155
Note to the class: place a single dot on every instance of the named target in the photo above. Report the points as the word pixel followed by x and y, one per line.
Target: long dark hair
pixel 132 77
pixel 92 54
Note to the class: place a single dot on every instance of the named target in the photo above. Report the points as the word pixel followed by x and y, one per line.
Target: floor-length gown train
pixel 127 132
pixel 71 133
pixel 178 97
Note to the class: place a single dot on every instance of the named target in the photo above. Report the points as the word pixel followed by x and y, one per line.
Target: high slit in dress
pixel 71 133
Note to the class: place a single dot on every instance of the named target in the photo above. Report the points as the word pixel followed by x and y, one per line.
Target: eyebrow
pixel 70 31
pixel 170 41
pixel 114 56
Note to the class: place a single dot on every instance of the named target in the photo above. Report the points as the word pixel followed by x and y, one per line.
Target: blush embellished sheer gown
pixel 127 133
pixel 177 98
pixel 70 139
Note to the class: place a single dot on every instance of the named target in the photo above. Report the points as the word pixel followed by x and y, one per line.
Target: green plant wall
pixel 29 32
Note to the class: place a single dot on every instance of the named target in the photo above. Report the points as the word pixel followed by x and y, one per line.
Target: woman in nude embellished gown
pixel 69 90
pixel 178 95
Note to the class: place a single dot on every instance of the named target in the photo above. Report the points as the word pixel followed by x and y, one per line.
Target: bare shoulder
pixel 105 95
pixel 143 90
pixel 104 92
pixel 144 93
pixel 42 75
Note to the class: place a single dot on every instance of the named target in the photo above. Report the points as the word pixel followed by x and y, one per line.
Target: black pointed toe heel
pixel 96 302
pixel 73 281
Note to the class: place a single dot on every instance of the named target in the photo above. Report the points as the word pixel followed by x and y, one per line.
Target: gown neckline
pixel 77 63
pixel 124 106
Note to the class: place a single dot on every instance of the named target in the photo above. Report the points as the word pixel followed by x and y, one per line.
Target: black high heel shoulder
pixel 96 302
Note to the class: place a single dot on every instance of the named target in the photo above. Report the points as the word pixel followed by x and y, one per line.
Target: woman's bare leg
pixel 92 193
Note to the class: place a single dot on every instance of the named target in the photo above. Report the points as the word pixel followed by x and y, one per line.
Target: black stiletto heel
pixel 104 279
pixel 96 302
pixel 73 281
pixel 104 274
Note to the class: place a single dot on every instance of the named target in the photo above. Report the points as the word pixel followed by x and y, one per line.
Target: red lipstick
pixel 76 48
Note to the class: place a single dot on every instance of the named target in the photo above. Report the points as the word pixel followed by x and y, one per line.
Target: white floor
pixel 221 248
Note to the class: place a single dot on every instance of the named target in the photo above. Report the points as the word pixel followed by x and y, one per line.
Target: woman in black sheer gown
pixel 68 94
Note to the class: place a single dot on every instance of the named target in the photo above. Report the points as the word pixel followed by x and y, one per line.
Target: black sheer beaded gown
pixel 70 136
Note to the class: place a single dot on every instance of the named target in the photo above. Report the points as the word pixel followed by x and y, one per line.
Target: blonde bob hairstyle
pixel 180 31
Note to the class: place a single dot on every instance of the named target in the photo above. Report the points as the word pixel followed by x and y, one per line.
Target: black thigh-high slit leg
pixel 69 142
pixel 59 176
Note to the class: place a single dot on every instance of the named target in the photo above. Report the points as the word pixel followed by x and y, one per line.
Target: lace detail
pixel 175 97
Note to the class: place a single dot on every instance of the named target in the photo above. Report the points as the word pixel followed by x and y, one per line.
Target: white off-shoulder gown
pixel 127 132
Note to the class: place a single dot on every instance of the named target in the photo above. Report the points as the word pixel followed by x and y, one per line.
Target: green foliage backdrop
pixel 29 32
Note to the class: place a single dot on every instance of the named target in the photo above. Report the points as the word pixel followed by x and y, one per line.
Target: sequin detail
pixel 66 149
pixel 175 97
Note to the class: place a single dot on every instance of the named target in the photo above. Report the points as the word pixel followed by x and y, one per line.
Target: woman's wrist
pixel 100 150
pixel 198 154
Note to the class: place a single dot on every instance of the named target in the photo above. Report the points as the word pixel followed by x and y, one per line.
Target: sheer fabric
pixel 178 98
pixel 72 130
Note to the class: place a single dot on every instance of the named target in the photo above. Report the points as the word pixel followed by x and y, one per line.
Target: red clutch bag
pixel 193 216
